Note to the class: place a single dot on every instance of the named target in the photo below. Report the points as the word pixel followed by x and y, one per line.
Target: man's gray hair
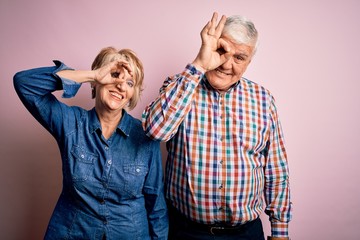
pixel 242 30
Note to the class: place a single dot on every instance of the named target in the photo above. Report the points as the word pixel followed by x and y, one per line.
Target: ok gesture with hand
pixel 113 72
pixel 214 51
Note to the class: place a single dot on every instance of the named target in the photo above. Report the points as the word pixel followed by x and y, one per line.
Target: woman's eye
pixel 115 74
pixel 130 83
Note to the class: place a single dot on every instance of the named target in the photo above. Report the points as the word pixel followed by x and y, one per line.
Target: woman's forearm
pixel 79 76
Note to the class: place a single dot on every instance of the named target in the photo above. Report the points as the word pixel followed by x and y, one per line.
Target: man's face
pixel 223 77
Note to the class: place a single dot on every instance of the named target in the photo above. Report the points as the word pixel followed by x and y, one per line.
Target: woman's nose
pixel 121 85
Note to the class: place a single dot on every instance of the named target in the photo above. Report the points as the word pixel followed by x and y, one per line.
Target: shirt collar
pixel 123 127
pixel 205 82
pixel 125 123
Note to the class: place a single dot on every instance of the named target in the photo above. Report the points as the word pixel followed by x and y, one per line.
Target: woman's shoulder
pixel 136 130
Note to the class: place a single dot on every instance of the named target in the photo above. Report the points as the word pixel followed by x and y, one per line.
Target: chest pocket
pixel 134 178
pixel 251 130
pixel 82 163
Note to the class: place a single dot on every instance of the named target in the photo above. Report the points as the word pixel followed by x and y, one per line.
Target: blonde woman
pixel 112 172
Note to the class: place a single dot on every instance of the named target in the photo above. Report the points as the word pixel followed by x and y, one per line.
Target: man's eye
pixel 221 51
pixel 239 59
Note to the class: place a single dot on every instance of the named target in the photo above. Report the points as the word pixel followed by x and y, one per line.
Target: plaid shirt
pixel 225 151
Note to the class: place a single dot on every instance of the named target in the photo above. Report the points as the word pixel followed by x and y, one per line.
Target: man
pixel 224 140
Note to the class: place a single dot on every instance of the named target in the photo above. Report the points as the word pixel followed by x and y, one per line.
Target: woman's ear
pixel 93 90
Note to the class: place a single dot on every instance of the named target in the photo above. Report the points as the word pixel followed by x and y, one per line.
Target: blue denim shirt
pixel 111 187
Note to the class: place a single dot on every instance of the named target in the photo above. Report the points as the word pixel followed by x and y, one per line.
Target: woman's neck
pixel 109 122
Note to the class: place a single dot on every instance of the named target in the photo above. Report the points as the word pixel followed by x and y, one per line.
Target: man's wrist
pixel 198 66
pixel 279 230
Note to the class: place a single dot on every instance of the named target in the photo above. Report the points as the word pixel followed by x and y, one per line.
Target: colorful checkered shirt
pixel 225 151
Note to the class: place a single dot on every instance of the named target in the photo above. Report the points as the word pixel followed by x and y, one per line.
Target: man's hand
pixel 214 51
pixel 113 72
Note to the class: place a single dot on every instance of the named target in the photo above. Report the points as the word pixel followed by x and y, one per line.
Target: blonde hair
pixel 110 54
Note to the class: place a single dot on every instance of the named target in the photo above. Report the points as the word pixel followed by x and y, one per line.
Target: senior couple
pixel 223 136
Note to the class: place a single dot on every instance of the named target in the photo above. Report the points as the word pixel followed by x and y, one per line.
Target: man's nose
pixel 228 63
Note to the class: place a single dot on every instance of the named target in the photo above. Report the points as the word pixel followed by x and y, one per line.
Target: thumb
pixel 225 45
pixel 225 57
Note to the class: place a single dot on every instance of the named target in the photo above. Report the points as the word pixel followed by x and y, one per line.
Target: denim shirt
pixel 111 187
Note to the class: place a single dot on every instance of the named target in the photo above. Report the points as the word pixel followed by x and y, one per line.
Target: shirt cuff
pixel 191 69
pixel 70 87
pixel 279 229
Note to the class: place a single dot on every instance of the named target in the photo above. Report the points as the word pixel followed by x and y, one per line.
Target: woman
pixel 112 172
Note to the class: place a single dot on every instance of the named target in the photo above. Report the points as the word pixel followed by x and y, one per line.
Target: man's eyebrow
pixel 241 54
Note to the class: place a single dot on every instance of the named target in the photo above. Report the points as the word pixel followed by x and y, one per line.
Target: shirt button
pixel 82 156
pixel 137 170
pixel 221 186
pixel 109 162
pixel 106 148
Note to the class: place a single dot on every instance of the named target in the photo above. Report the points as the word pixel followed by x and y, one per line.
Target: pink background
pixel 308 57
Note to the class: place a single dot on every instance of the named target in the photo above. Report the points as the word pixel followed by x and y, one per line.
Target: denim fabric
pixel 111 187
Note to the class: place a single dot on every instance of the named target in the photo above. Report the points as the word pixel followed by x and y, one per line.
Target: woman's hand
pixel 112 72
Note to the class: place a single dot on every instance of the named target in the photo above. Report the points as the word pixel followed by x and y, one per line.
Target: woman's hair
pixel 242 30
pixel 110 54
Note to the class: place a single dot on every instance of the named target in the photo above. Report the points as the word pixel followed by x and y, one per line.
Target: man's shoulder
pixel 248 84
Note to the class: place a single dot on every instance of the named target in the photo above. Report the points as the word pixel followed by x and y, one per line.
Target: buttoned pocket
pixel 134 178
pixel 82 164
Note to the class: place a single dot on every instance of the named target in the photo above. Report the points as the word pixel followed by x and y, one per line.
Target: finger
pixel 118 69
pixel 114 70
pixel 225 57
pixel 125 66
pixel 212 26
pixel 225 51
pixel 225 46
pixel 122 73
pixel 214 18
pixel 219 28
pixel 204 31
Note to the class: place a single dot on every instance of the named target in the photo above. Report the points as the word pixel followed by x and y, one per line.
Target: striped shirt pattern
pixel 225 151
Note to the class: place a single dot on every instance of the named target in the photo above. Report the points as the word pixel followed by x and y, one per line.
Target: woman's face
pixel 115 97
